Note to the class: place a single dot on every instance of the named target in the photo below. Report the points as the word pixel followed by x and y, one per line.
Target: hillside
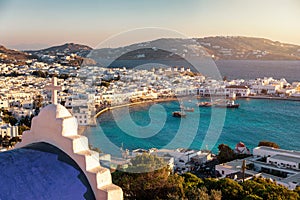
pixel 165 49
pixel 67 48
pixel 13 56
pixel 247 48
pixel 219 48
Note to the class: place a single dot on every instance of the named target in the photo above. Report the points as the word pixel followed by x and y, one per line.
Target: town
pixel 86 90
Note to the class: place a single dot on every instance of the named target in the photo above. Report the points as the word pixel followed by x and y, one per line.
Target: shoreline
pixel 175 99
pixel 135 103
pixel 271 98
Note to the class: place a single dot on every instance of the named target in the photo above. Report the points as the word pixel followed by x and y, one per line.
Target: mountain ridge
pixel 218 47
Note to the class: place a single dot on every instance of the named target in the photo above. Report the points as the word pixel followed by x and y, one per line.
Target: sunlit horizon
pixel 34 24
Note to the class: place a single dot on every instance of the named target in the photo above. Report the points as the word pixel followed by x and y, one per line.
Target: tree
pixel 14 140
pixel 37 101
pixel 298 190
pixel 9 119
pixel 230 189
pixel 264 91
pixel 5 141
pixel 22 128
pixel 225 153
pixel 192 181
pixel 26 120
pixel 63 76
pixel 215 195
pixel 268 144
pixel 156 184
pixel 252 197
pixel 267 189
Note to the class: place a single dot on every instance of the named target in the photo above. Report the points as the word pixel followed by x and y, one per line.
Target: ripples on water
pixel 250 69
pixel 255 120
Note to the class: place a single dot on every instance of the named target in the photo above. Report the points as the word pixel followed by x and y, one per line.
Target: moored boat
pixel 188 109
pixel 178 114
pixel 228 104
pixel 205 104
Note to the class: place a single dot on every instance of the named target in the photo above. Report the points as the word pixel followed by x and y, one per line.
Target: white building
pixel 4 104
pixel 81 113
pixel 9 130
pixel 263 151
pixel 282 166
pixel 27 104
pixel 238 90
pixel 284 161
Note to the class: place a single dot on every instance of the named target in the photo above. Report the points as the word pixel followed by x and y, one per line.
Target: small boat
pixel 188 109
pixel 205 104
pixel 178 114
pixel 228 104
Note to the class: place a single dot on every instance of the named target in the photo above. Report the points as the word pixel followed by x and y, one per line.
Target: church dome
pixel 41 171
pixel 56 127
pixel 54 162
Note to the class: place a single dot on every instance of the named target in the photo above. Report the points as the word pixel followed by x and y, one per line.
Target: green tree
pixel 22 128
pixel 156 184
pixel 9 119
pixel 5 141
pixel 192 181
pixel 37 101
pixel 253 187
pixel 14 140
pixel 225 153
pixel 230 189
pixel 298 190
pixel 215 195
pixel 252 197
pixel 268 144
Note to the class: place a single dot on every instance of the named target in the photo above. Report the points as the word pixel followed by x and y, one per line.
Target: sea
pixel 153 126
pixel 251 69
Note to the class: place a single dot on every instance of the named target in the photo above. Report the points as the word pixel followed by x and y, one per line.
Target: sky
pixel 34 24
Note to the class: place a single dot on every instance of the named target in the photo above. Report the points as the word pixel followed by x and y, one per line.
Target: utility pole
pixel 243 169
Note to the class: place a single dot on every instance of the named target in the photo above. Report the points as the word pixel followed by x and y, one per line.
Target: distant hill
pixel 58 54
pixel 13 56
pixel 249 48
pixel 165 49
pixel 68 48
pixel 219 48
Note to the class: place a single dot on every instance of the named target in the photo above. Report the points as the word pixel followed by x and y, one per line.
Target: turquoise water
pixel 150 126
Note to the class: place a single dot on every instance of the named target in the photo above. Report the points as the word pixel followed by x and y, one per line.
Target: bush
pixel 268 144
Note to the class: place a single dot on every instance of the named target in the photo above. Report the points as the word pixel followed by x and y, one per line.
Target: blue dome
pixel 41 171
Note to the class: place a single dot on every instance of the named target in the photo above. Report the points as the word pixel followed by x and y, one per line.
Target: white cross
pixel 53 87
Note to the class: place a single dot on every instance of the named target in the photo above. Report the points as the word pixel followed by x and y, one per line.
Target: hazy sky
pixel 35 23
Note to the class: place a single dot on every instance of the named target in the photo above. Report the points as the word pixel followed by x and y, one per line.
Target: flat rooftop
pixel 286 158
pixel 292 152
